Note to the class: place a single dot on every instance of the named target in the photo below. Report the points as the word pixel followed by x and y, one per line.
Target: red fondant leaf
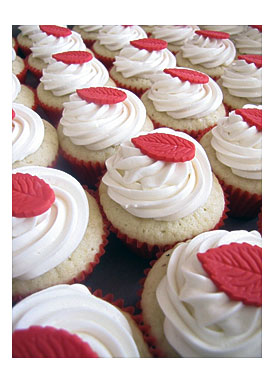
pixel 252 116
pixel 188 75
pixel 149 44
pixel 252 59
pixel 213 34
pixel 55 30
pixel 102 95
pixel 49 342
pixel 165 147
pixel 73 57
pixel 31 196
pixel 236 269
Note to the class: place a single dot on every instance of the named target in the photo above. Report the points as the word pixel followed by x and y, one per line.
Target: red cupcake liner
pixel 35 104
pixel 24 50
pixel 36 72
pixel 91 265
pixel 16 45
pixel 146 250
pixel 106 61
pixel 242 204
pixel 22 75
pixel 87 172
pixel 138 92
pixel 54 114
pixel 89 43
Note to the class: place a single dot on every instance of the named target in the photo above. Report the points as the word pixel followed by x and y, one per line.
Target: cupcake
pixel 203 298
pixel 112 38
pixel 88 33
pixel 34 141
pixel 241 82
pixel 233 30
pixel 136 63
pixel 234 149
pixel 58 233
pixel 249 42
pixel 24 38
pixel 108 331
pixel 184 100
pixel 51 39
pixel 23 94
pixel 19 67
pixel 175 35
pixel 209 52
pixel 159 190
pixel 66 72
pixel 95 121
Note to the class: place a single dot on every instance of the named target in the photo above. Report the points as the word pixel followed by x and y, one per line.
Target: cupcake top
pixel 68 71
pixel 164 175
pixel 174 34
pixel 233 30
pixel 49 219
pixel 249 42
pixel 144 57
pixel 184 93
pixel 99 117
pixel 116 37
pixel 52 39
pixel 243 78
pixel 75 309
pixel 237 140
pixel 211 295
pixel 210 49
pixel 16 87
pixel 27 132
pixel 90 28
pixel 30 30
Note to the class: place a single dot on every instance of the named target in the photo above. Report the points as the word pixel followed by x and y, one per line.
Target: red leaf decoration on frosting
pixel 49 342
pixel 188 75
pixel 55 30
pixel 213 34
pixel 236 269
pixel 102 95
pixel 252 59
pixel 31 196
pixel 149 44
pixel 165 147
pixel 13 113
pixel 73 57
pixel 252 116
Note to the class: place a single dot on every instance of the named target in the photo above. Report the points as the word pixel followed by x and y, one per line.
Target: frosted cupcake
pixel 19 67
pixel 23 94
pixel 58 233
pixel 241 82
pixel 184 100
pixel 34 141
pixel 249 42
pixel 234 149
pixel 88 33
pixel 209 52
pixel 94 122
pixel 159 190
pixel 175 35
pixel 109 331
pixel 136 63
pixel 66 72
pixel 51 39
pixel 203 298
pixel 112 38
pixel 233 30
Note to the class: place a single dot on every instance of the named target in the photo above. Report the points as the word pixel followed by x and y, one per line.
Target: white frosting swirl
pixel 44 45
pixel 27 132
pixel 16 87
pixel 233 30
pixel 43 242
pixel 249 42
pixel 243 80
pixel 116 37
pixel 30 30
pixel 141 63
pixel 208 52
pixel 200 320
pixel 184 99
pixel 62 79
pixel 74 309
pixel 100 126
pixel 174 34
pixel 239 145
pixel 148 188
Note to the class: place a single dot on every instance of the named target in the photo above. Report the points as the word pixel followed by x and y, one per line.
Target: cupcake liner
pixel 89 43
pixel 106 61
pixel 242 204
pixel 16 45
pixel 24 50
pixel 81 276
pixel 22 75
pixel 54 114
pixel 36 72
pixel 87 172
pixel 138 92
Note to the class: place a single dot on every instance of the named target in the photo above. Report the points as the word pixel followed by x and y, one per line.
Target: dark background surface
pixel 120 270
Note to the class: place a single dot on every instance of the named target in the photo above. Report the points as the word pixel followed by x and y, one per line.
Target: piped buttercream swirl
pixel 116 37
